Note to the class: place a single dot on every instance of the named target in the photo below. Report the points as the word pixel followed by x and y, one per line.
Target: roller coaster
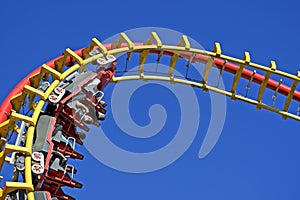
pixel 40 118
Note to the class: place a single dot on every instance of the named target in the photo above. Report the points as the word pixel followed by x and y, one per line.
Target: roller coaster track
pixel 27 94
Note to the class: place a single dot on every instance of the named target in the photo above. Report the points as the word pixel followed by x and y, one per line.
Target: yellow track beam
pixel 72 54
pixel 51 88
pixel 32 93
pixel 184 42
pixel 85 52
pixel 60 63
pixel 154 37
pixel 183 45
pixel 173 62
pixel 37 110
pixel 238 74
pixel 144 53
pixel 207 69
pixel 264 83
pixel 217 51
pixel 123 37
pixel 7 159
pixel 12 148
pixel 48 70
pixel 35 82
pixel 45 70
pixel 5 127
pixel 213 89
pixel 290 95
pixel 94 43
pixel 69 71
pixel 143 57
pixel 19 117
pixel 18 101
pixel 8 125
pixel 12 186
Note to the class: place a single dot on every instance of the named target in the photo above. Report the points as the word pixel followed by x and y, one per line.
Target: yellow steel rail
pixel 9 124
pixel 154 43
pixel 210 88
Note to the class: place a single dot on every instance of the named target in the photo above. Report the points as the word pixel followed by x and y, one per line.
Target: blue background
pixel 257 156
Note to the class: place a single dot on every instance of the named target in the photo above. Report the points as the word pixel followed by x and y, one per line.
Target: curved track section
pixel 36 109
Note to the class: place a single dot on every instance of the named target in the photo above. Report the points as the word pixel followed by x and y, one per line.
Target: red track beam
pixel 6 106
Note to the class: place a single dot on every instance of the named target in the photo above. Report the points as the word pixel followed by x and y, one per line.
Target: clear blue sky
pixel 257 156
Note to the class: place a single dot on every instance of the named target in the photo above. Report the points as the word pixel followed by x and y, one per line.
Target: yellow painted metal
pixel 2 142
pixel 264 83
pixel 154 38
pixel 207 69
pixel 37 111
pixel 70 71
pixel 33 91
pixel 100 45
pixel 9 149
pixel 173 62
pixel 184 42
pixel 183 46
pixel 157 39
pixel 71 53
pixel 291 94
pixel 30 194
pixel 261 67
pixel 5 127
pixel 217 49
pixel 20 117
pixel 7 159
pixel 213 89
pixel 143 57
pixel 29 139
pixel 216 53
pixel 13 148
pixel 196 51
pixel 12 186
pixel 9 125
pixel 35 80
pixel 18 101
pixel 94 43
pixel 28 174
pixel 60 63
pixel 48 70
pixel 15 185
pixel 238 74
pixel 123 37
pixel 15 175
pixel 144 54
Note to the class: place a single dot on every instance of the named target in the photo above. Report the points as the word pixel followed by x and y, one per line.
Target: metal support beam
pixel 264 83
pixel 290 95
pixel 238 74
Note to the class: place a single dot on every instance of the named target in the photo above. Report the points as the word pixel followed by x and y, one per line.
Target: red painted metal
pixel 6 106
